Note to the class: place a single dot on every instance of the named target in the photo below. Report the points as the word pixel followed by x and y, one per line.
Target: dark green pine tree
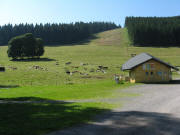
pixel 154 31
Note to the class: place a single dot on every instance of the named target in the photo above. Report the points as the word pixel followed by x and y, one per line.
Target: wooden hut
pixel 148 69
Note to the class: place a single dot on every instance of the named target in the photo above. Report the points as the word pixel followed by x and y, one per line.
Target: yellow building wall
pixel 159 73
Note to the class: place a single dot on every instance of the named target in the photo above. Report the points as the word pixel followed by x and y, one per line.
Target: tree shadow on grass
pixel 34 60
pixel 157 45
pixel 8 86
pixel 83 42
pixel 41 118
pixel 88 40
pixel 33 99
pixel 130 123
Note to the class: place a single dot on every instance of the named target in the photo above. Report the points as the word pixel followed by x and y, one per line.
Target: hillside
pixel 109 49
pixel 112 37
pixel 82 72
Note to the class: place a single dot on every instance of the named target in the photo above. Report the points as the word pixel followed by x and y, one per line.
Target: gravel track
pixel 155 112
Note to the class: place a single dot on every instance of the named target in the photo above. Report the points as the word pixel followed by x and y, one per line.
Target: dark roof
pixel 140 59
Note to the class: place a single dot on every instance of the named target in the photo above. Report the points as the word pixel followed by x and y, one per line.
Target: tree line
pixel 55 33
pixel 154 31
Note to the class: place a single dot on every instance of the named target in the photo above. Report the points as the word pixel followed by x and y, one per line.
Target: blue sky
pixel 66 11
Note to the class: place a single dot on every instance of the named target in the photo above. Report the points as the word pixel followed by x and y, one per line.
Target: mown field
pixel 48 79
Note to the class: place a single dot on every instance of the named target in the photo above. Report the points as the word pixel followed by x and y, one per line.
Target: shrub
pixel 25 46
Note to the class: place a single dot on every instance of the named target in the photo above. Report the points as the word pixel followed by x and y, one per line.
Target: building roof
pixel 142 58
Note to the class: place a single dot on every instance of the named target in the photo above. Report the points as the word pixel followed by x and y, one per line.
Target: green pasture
pixel 48 79
pixel 110 49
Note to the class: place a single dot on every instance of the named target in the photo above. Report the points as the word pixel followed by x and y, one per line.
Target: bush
pixel 25 46
pixel 39 47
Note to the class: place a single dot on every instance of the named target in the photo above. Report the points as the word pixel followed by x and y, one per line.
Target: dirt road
pixel 155 112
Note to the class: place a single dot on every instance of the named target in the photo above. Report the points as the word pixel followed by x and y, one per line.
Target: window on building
pixel 147 73
pixel 144 66
pixel 152 73
pixel 159 73
pixel 152 66
pixel 148 66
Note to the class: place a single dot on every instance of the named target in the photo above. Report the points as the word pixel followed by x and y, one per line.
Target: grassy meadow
pixel 110 49
pixel 46 79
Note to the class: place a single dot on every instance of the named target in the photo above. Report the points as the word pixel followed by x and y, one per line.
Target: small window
pixel 152 66
pixel 152 73
pixel 159 73
pixel 144 66
pixel 148 66
pixel 147 73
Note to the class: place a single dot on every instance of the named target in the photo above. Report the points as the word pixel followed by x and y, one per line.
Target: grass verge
pixel 97 90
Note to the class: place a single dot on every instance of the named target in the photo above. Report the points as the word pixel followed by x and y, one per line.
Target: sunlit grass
pixel 110 49
pixel 66 92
